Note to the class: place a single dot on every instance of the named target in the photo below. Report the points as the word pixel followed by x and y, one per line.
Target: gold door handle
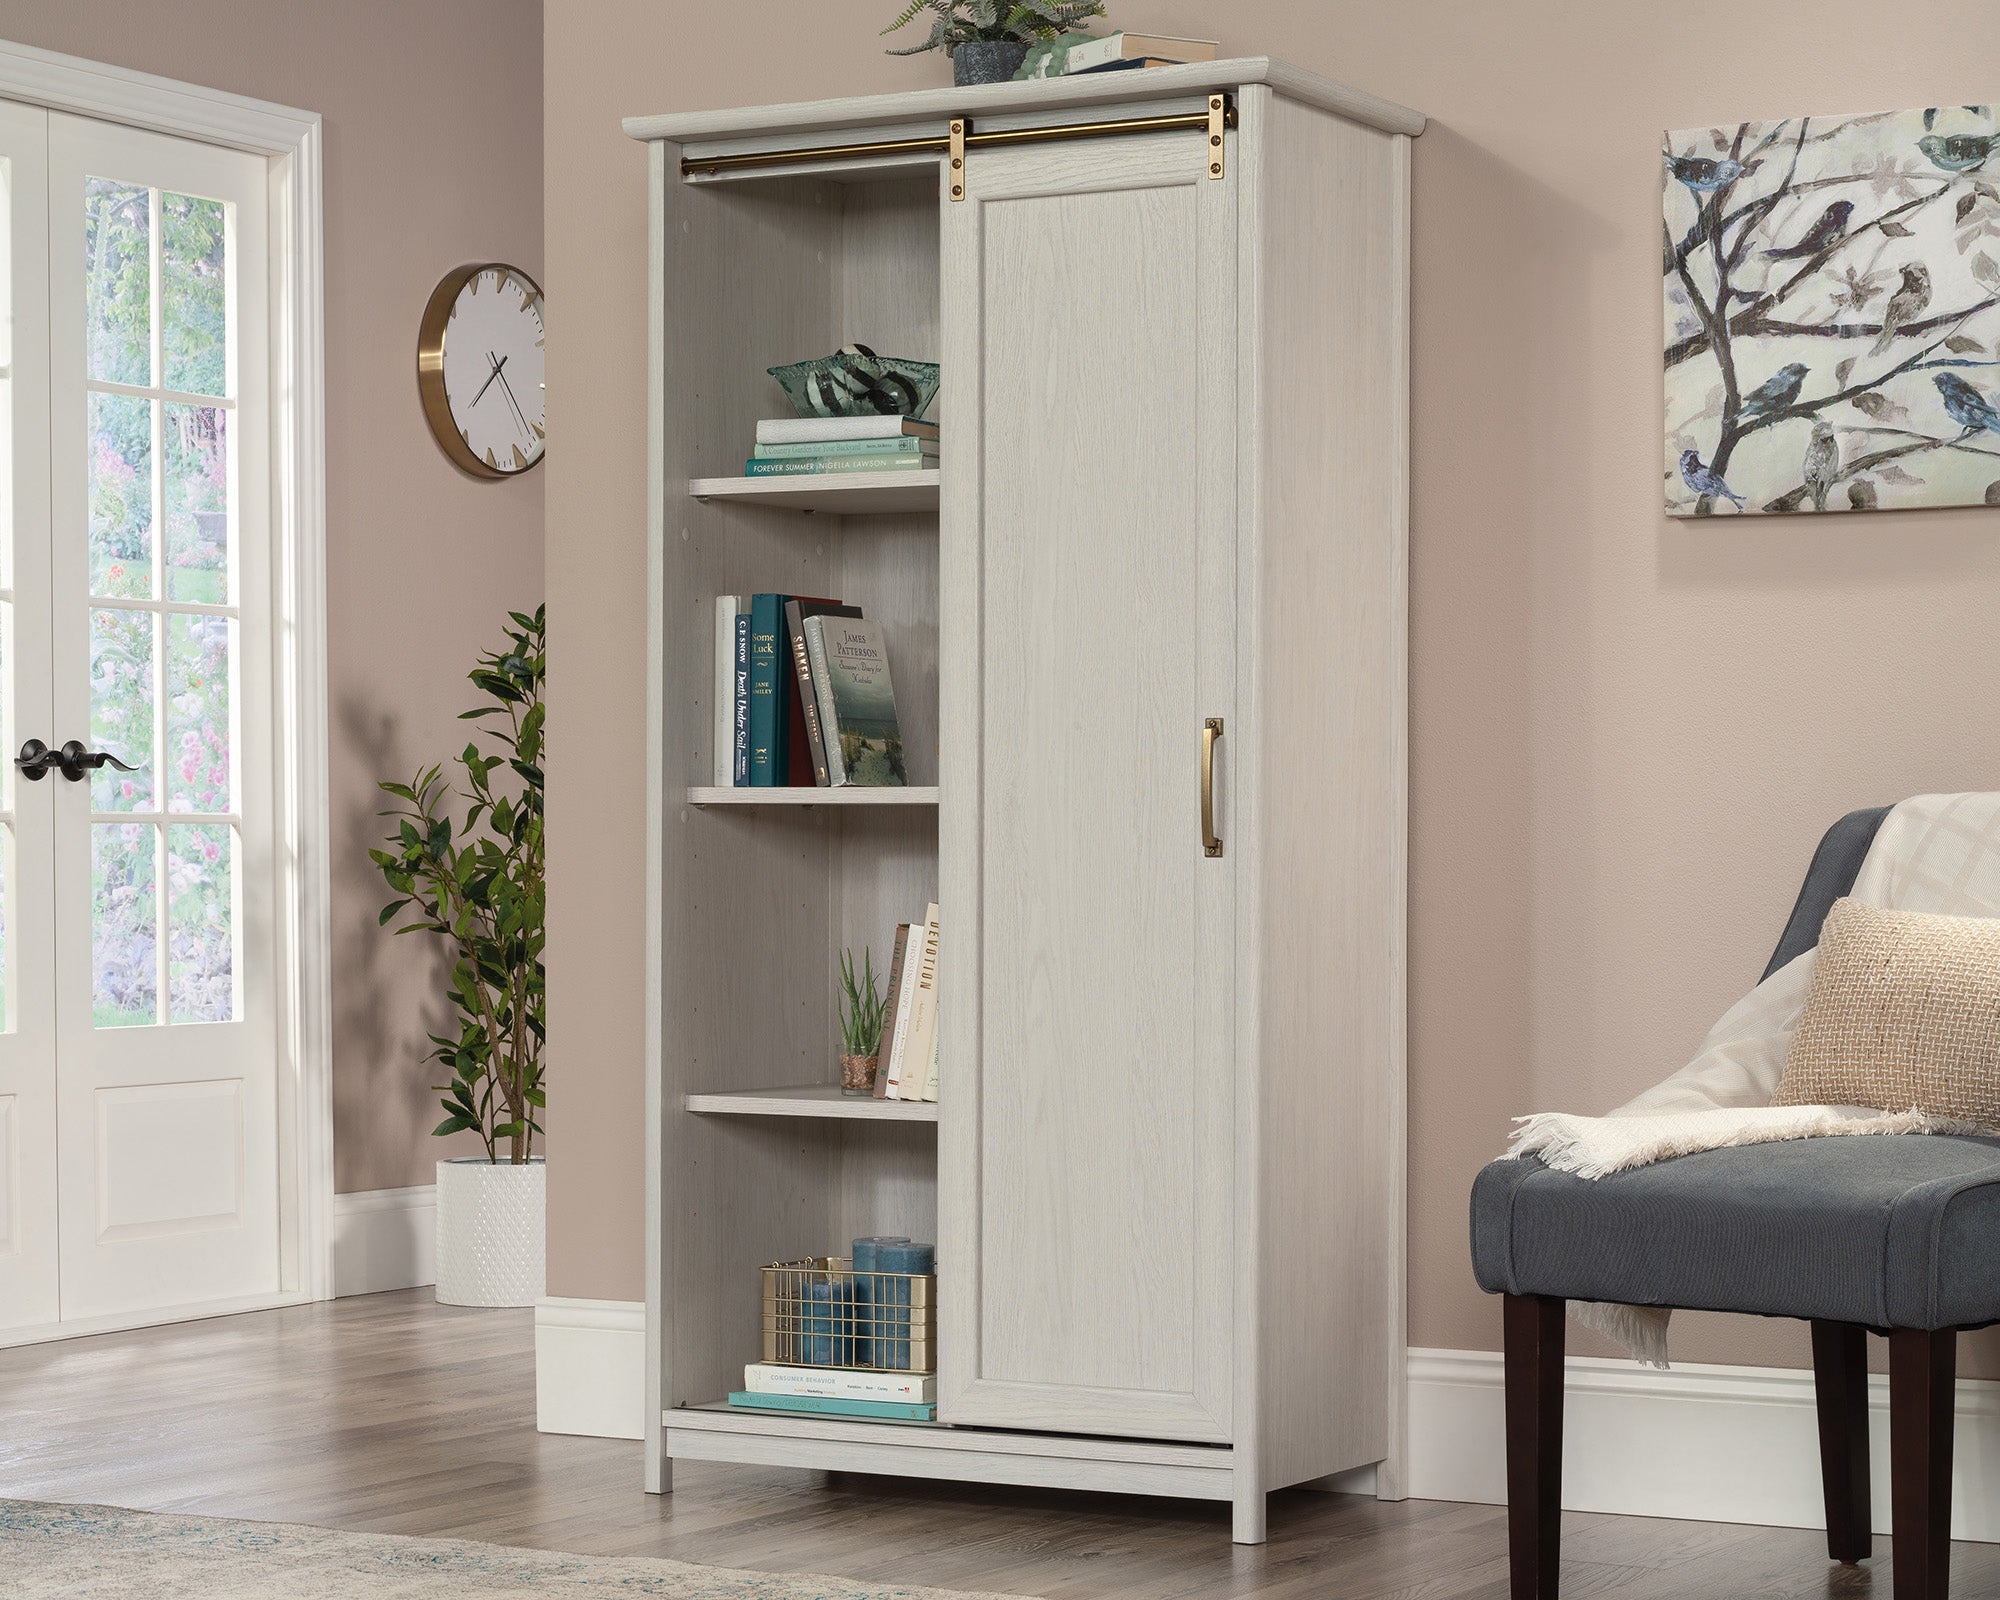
pixel 1211 730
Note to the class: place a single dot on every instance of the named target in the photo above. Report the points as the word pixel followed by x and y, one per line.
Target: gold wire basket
pixel 822 1313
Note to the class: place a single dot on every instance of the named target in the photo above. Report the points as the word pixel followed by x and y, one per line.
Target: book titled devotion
pixel 864 744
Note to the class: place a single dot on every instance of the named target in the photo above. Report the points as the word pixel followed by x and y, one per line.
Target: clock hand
pixel 489 382
pixel 519 415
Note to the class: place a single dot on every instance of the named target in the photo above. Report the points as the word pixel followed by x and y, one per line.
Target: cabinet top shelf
pixel 1034 95
pixel 836 493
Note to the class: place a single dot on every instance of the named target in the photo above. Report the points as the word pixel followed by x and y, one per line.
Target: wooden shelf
pixel 812 797
pixel 836 493
pixel 811 1100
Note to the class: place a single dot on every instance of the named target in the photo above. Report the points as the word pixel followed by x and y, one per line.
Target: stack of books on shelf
pixel 1117 52
pixel 804 446
pixel 803 696
pixel 838 1392
pixel 908 1068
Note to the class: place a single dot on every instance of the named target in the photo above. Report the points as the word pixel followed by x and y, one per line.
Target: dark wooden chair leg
pixel 1923 1368
pixel 1534 1365
pixel 1840 1382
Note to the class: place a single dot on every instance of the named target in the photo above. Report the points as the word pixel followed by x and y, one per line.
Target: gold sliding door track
pixel 1221 113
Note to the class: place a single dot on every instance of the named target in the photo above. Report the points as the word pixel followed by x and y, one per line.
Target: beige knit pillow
pixel 1903 1011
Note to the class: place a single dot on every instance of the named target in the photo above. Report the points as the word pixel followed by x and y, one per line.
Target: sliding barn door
pixel 1087 979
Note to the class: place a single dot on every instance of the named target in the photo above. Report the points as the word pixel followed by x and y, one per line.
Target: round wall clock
pixel 479 369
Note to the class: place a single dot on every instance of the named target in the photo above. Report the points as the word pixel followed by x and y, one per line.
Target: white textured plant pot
pixel 492 1232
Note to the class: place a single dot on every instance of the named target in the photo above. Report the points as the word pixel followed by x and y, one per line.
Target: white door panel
pixel 164 925
pixel 28 1234
pixel 1086 1171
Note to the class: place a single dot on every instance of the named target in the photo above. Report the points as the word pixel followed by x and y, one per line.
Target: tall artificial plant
pixel 479 886
pixel 957 22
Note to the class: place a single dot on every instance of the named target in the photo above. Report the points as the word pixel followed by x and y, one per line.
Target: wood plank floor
pixel 393 1414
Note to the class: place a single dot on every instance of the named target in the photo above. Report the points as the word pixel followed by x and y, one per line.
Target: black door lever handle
pixel 72 761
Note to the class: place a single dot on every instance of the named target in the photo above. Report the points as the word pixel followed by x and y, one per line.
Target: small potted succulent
pixel 988 40
pixel 861 1007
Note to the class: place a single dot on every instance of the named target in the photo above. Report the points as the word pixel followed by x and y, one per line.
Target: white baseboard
pixel 1704 1443
pixel 384 1239
pixel 590 1367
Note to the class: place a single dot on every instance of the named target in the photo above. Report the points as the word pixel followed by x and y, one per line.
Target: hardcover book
pixel 856 653
pixel 796 612
pixel 1137 46
pixel 833 1383
pixel 727 607
pixel 917 1032
pixel 874 449
pixel 769 674
pixel 895 1066
pixel 809 466
pixel 741 774
pixel 892 990
pixel 886 1410
pixel 820 430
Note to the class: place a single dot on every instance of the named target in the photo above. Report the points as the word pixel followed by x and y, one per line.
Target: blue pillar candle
pixel 829 1323
pixel 866 1264
pixel 905 1259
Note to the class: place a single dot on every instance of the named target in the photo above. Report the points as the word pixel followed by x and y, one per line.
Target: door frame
pixel 290 142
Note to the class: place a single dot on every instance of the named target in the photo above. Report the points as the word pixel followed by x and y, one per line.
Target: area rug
pixel 56 1552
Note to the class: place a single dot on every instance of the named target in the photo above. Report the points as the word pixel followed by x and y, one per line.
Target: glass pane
pixel 121 708
pixel 197 503
pixel 193 348
pixel 124 956
pixel 118 281
pixel 121 496
pixel 198 713
pixel 201 921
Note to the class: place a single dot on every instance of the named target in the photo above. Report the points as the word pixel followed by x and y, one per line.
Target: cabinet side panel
pixel 749 279
pixel 1328 637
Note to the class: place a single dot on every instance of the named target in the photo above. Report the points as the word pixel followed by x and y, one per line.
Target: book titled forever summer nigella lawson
pixel 850 666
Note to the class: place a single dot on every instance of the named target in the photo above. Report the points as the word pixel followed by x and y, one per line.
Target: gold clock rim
pixel 430 369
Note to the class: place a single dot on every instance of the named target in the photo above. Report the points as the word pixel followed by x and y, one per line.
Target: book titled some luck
pixel 857 700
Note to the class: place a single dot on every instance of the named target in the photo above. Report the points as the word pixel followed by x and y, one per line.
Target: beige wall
pixel 1628 732
pixel 433 158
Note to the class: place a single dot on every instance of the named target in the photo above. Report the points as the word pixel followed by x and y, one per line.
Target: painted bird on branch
pixel 1822 468
pixel 1965 405
pixel 1905 305
pixel 1702 174
pixel 1958 152
pixel 1822 235
pixel 1774 393
pixel 1704 482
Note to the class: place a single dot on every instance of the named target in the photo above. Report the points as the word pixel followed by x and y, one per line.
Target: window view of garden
pixel 160 668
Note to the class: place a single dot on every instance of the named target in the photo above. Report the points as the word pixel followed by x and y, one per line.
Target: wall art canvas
pixel 1833 312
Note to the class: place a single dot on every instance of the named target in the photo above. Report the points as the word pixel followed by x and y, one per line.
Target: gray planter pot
pixel 986 61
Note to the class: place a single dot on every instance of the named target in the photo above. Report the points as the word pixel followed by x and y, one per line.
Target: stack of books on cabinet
pixel 797 447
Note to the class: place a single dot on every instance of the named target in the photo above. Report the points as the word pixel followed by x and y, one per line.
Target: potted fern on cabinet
pixel 477 884
pixel 988 40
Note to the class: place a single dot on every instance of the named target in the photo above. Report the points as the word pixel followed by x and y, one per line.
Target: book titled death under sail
pixel 857 702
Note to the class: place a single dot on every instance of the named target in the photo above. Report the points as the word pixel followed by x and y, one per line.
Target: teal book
pixel 858 705
pixel 821 1405
pixel 769 674
pixel 849 447
pixel 805 466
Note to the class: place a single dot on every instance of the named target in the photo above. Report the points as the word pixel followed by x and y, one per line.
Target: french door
pixel 138 1019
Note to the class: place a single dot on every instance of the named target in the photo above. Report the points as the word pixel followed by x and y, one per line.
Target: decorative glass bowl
pixel 857 382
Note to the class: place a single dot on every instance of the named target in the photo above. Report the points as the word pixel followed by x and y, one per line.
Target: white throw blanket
pixel 1936 853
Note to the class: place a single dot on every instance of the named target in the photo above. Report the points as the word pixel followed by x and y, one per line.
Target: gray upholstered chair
pixel 1897 1236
